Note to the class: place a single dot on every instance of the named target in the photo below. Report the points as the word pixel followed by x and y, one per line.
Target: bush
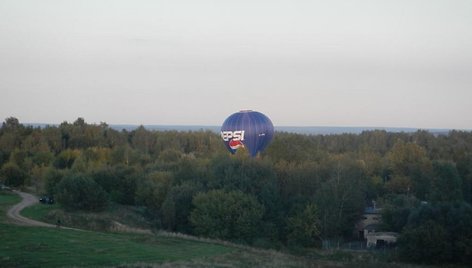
pixel 52 178
pixel 304 227
pixel 177 206
pixel 227 215
pixel 438 233
pixel 12 175
pixel 79 192
pixel 120 182
pixel 424 244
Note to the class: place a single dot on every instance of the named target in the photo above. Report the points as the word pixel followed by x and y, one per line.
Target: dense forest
pixel 303 190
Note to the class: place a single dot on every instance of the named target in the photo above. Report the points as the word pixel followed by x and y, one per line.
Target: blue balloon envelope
pixel 249 129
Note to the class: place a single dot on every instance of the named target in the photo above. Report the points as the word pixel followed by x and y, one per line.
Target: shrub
pixel 12 175
pixel 227 215
pixel 79 192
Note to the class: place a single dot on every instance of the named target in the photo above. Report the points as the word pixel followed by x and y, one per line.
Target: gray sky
pixel 397 63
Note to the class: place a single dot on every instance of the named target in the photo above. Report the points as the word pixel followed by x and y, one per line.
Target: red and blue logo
pixel 233 144
pixel 234 138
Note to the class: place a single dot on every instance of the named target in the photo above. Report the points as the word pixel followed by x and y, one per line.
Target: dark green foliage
pixel 120 182
pixel 52 179
pixel 304 227
pixel 244 174
pixel 153 189
pixel 43 158
pixel 227 215
pixel 177 206
pixel 12 175
pixel 164 171
pixel 80 192
pixel 18 157
pixel 340 199
pixel 396 211
pixel 446 182
pixel 66 159
pixel 426 243
pixel 438 233
pixel 255 177
pixel 410 169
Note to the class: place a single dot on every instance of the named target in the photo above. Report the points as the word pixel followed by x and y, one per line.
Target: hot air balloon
pixel 249 129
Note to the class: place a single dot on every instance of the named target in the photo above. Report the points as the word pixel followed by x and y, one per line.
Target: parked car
pixel 45 199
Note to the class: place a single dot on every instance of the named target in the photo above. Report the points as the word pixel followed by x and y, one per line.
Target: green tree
pixel 244 174
pixel 19 158
pixel 12 175
pixel 80 192
pixel 396 211
pixel 304 227
pixel 153 189
pixel 226 215
pixel 340 199
pixel 411 167
pixel 120 182
pixel 178 205
pixel 446 182
pixel 427 243
pixel 66 158
pixel 438 233
pixel 52 177
pixel 43 158
pixel 464 167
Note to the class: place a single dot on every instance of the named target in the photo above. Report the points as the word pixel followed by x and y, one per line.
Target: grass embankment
pixel 50 247
pixel 96 221
pixel 7 199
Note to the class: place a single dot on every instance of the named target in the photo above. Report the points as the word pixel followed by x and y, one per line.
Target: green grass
pixel 97 221
pixel 39 211
pixel 50 247
pixel 7 199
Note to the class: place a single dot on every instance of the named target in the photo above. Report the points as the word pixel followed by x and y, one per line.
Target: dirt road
pixel 14 212
pixel 29 200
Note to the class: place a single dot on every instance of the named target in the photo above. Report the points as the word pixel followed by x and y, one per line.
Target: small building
pixel 369 223
pixel 381 239
pixel 369 227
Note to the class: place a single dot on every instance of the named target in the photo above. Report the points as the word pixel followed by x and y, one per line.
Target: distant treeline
pixel 302 190
pixel 314 130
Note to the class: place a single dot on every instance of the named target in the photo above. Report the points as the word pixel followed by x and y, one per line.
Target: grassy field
pixel 38 211
pixel 7 199
pixel 52 247
pixel 97 221
pixel 49 247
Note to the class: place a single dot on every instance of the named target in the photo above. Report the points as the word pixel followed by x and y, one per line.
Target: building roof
pixel 372 210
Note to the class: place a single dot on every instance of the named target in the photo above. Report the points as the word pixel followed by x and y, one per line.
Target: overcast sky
pixel 397 63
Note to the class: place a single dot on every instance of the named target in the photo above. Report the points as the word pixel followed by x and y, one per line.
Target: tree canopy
pixel 301 190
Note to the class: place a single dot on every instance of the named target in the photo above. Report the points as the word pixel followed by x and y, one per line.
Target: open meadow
pixel 53 247
pixel 24 246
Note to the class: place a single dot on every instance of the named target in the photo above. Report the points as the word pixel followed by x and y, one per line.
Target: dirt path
pixel 29 200
pixel 14 212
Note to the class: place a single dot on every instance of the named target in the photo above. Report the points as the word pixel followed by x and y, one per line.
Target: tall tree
pixel 228 215
pixel 340 199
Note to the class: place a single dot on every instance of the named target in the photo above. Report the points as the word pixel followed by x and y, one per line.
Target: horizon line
pixel 283 128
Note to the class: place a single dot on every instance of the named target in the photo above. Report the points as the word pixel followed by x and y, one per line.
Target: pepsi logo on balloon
pixel 249 129
pixel 237 135
pixel 235 144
